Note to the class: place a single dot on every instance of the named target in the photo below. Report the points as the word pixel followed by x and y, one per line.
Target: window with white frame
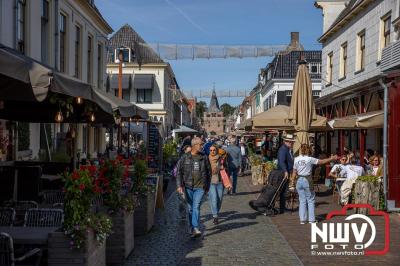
pixel 360 55
pixel 144 95
pixel 63 42
pixel 45 31
pixel 384 33
pixel 21 17
pixel 329 68
pixel 78 42
pixel 343 60
pixel 126 54
pixel 314 68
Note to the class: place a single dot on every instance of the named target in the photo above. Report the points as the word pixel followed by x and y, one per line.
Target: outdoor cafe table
pixel 29 235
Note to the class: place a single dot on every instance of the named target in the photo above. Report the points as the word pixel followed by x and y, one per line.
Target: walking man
pixel 193 179
pixel 234 162
pixel 285 164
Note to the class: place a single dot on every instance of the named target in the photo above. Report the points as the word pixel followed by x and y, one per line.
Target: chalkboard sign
pixel 154 147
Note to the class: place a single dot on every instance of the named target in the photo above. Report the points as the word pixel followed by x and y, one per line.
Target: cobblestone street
pixel 241 238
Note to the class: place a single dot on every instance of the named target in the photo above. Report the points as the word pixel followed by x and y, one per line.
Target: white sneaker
pixel 196 232
pixel 313 222
pixel 302 222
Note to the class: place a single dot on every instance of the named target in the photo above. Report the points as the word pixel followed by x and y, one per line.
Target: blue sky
pixel 217 22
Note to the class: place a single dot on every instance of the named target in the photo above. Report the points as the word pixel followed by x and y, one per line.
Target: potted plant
pixel 144 213
pixel 84 233
pixel 114 184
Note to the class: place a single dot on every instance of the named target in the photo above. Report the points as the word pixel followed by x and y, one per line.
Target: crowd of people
pixel 204 163
pixel 201 169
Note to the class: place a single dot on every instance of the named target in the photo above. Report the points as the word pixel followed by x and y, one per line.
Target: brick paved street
pixel 241 238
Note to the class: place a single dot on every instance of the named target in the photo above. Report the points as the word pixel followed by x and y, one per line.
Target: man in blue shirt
pixel 285 164
pixel 207 146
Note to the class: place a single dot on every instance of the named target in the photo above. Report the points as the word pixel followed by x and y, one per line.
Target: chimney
pixel 294 38
pixel 295 44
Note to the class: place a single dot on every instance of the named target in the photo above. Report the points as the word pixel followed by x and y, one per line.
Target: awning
pixel 365 120
pixel 246 123
pixel 26 86
pixel 143 81
pixel 126 109
pixel 126 81
pixel 140 112
pixel 277 118
pixel 184 129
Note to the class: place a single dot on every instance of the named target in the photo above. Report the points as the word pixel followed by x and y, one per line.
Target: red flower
pixel 75 175
pixel 82 187
pixel 92 170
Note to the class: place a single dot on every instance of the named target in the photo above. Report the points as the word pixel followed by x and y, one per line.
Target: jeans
pixel 193 199
pixel 306 198
pixel 215 196
pixel 328 182
pixel 234 174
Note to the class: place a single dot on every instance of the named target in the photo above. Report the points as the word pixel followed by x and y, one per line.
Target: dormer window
pixel 126 54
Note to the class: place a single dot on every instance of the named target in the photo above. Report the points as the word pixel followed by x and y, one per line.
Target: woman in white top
pixel 353 171
pixel 305 188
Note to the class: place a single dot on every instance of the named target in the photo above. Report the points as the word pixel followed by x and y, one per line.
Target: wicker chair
pixel 7 257
pixel 7 216
pixel 51 197
pixel 44 218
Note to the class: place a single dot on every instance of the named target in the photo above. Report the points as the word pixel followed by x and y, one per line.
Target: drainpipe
pixel 385 137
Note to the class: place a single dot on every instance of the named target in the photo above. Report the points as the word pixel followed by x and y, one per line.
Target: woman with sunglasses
pixel 216 192
pixel 375 166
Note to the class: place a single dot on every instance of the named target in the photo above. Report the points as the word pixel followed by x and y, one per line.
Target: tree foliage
pixel 227 109
pixel 201 107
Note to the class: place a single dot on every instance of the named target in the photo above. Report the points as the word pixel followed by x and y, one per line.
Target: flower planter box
pixel 256 174
pixel 60 252
pixel 366 193
pixel 121 242
pixel 144 213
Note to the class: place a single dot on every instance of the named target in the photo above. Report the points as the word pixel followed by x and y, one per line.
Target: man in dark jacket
pixel 193 179
pixel 234 162
pixel 285 164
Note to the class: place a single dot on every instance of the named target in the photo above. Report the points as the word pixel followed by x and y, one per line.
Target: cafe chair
pixel 7 256
pixel 20 208
pixel 7 216
pixel 51 197
pixel 44 218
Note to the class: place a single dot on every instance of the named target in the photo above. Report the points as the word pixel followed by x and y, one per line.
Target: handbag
pixel 226 180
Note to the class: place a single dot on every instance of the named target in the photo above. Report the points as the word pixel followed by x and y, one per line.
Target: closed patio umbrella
pixel 302 108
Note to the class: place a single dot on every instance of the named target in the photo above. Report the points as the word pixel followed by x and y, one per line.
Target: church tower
pixel 214 121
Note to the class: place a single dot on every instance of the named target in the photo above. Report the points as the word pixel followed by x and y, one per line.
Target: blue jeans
pixel 234 174
pixel 193 199
pixel 306 198
pixel 215 196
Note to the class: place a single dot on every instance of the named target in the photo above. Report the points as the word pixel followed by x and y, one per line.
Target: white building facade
pixel 68 35
pixel 148 82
